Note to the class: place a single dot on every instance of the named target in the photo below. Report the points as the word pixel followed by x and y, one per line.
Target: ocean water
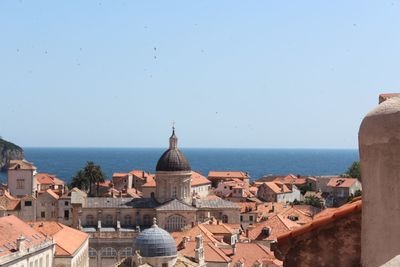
pixel 65 162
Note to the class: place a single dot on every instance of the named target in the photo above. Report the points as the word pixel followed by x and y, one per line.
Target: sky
pixel 231 74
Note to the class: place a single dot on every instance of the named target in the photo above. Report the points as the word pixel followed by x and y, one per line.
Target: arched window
pixel 92 253
pixel 125 252
pixel 175 223
pixel 225 218
pixel 89 220
pixel 109 220
pixel 147 220
pixel 108 252
pixel 128 220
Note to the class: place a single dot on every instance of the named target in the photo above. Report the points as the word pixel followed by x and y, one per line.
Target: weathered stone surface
pixel 379 145
pixel 9 151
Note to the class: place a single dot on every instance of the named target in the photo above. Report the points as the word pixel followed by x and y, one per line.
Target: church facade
pixel 113 222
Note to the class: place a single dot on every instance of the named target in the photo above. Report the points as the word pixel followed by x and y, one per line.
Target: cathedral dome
pixel 173 159
pixel 155 242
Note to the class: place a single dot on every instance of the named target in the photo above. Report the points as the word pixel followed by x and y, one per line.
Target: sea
pixel 65 162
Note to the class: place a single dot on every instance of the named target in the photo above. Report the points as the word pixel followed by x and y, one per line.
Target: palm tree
pixel 80 181
pixel 94 175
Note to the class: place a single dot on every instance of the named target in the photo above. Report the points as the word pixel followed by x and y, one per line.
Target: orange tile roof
pixel 141 174
pixel 21 165
pixel 217 229
pixel 198 179
pixel 134 193
pixel 11 228
pixel 250 254
pixel 48 179
pixel 211 252
pixel 278 225
pixel 8 202
pixel 341 182
pixel 119 175
pixel 291 179
pixel 228 174
pixel 302 215
pixel 68 240
pixel 51 193
pixel 193 232
pixel 323 219
pixel 151 182
pixel 278 187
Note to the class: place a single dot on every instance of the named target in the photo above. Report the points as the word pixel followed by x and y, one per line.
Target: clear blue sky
pixel 270 74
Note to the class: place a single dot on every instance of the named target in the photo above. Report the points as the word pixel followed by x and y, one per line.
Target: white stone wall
pixel 36 257
pixel 201 190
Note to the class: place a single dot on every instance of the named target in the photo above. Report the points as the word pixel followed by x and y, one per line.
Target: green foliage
pixel 9 146
pixel 358 193
pixel 304 188
pixel 314 201
pixel 90 175
pixel 354 171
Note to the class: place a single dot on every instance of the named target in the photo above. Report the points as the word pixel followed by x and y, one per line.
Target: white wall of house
pixel 41 255
pixel 201 190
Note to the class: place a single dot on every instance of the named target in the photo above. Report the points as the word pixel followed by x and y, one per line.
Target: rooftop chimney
pixel 199 251
pixel 21 243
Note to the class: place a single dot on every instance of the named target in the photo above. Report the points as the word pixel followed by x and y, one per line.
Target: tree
pixel 354 171
pixel 314 201
pixel 89 176
pixel 80 181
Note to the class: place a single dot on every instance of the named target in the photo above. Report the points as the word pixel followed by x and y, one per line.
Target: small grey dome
pixel 155 242
pixel 173 159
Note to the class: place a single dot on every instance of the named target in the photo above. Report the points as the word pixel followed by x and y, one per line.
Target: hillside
pixel 9 151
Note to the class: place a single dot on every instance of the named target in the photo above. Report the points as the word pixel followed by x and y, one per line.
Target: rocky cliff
pixel 9 151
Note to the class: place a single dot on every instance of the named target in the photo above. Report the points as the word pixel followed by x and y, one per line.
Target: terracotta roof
pixel 21 165
pixel 141 174
pixel 11 228
pixel 228 174
pixel 119 175
pixel 291 179
pixel 198 179
pixel 278 225
pixel 192 233
pixel 302 215
pixel 45 178
pixel 151 182
pixel 250 254
pixel 278 187
pixel 341 182
pixel 211 252
pixel 217 229
pixel 134 193
pixel 8 202
pixel 324 218
pixel 68 240
pixel 51 193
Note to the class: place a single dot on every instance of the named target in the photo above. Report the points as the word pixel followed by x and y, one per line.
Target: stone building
pixel 278 192
pixel 20 178
pixel 113 222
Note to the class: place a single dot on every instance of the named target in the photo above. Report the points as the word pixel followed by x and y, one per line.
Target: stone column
pixel 379 145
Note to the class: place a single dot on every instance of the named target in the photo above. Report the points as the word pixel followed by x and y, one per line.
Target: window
pixel 66 214
pixel 164 265
pixel 109 220
pixel 53 203
pixel 224 218
pixel 174 192
pixel 92 253
pixel 127 220
pixel 28 203
pixel 241 218
pixel 125 252
pixel 175 223
pixel 147 220
pixel 108 252
pixel 66 203
pixel 42 214
pixel 43 204
pixel 20 183
pixel 89 220
pixel 251 218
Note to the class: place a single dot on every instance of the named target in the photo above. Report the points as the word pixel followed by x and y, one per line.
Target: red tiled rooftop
pixel 278 187
pixel 68 240
pixel 341 182
pixel 11 228
pixel 228 174
pixel 324 218
pixel 119 175
pixel 198 179
pixel 48 179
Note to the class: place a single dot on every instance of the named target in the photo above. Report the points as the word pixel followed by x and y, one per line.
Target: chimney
pixel 234 248
pixel 184 241
pixel 21 243
pixel 199 251
pixel 218 222
pixel 247 232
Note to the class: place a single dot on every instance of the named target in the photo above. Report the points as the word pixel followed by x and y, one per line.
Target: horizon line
pixel 128 147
